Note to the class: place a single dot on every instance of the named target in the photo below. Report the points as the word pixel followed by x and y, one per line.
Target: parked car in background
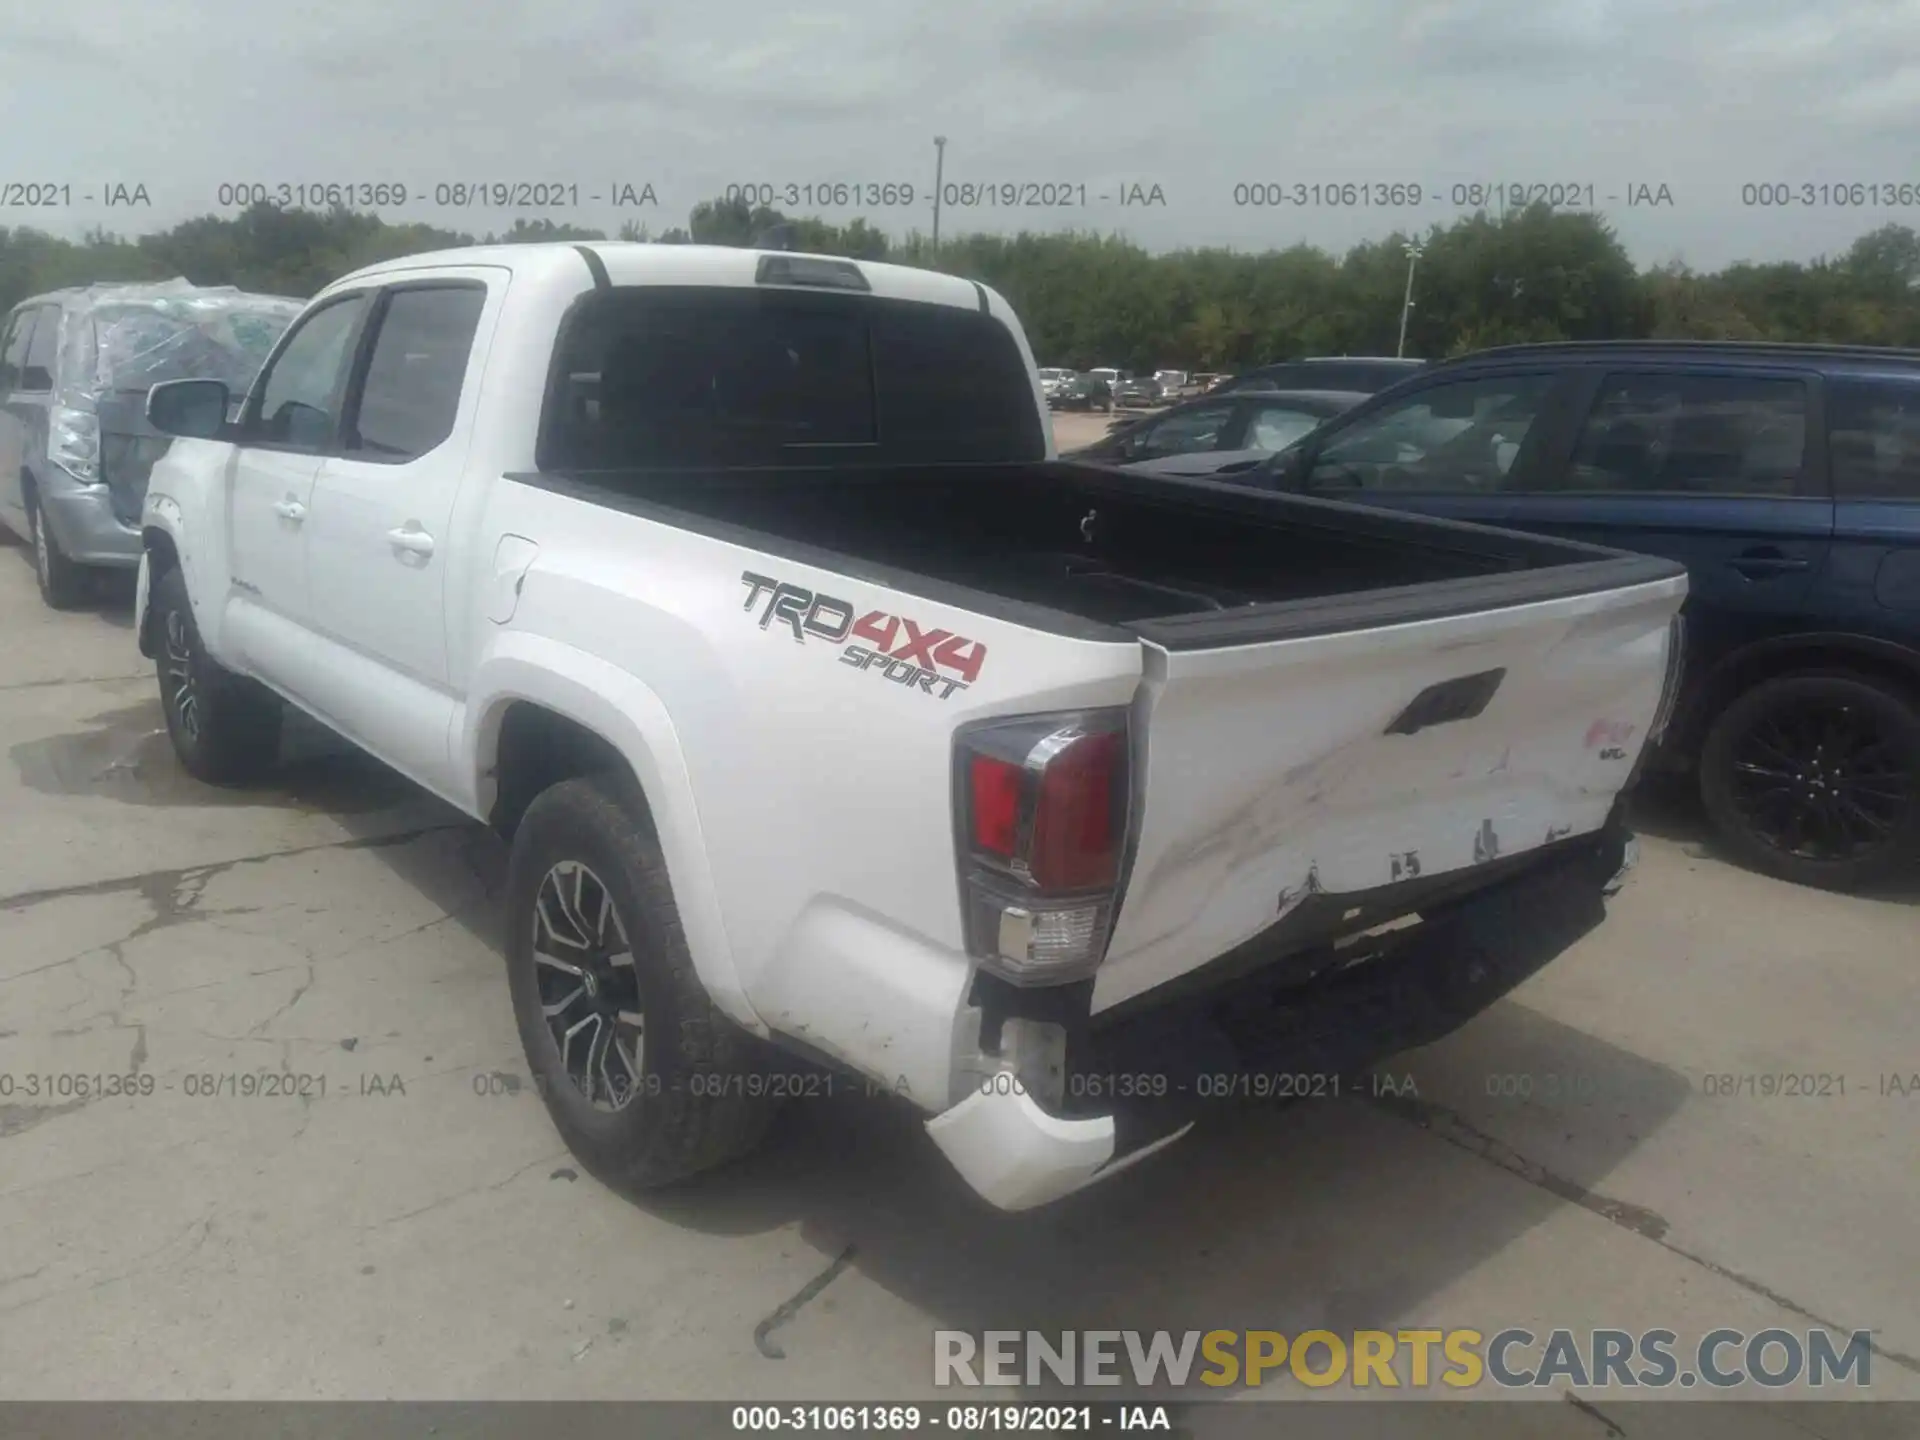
pixel 1107 373
pixel 1203 436
pixel 1173 384
pixel 1052 378
pixel 1136 392
pixel 1365 373
pixel 75 445
pixel 1785 477
pixel 1082 392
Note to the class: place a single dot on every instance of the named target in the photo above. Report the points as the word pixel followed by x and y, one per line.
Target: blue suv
pixel 1785 477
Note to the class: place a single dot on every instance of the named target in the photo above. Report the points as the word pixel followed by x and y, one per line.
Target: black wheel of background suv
pixel 63 584
pixel 644 1079
pixel 1815 778
pixel 225 728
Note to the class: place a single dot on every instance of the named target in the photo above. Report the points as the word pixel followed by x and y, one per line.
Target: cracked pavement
pixel 398 1219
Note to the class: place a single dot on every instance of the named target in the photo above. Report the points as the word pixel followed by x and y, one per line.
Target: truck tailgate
pixel 1331 763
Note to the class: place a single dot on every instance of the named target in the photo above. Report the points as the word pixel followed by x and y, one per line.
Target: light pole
pixel 939 172
pixel 1406 305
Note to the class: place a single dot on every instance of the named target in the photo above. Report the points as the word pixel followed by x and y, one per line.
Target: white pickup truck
pixel 841 730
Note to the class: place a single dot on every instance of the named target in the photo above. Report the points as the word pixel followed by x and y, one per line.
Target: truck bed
pixel 1330 697
pixel 1184 563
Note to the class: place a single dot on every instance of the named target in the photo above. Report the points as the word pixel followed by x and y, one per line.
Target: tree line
pixel 1088 299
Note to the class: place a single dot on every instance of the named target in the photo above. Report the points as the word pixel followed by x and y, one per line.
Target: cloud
pixel 1109 46
pixel 1702 95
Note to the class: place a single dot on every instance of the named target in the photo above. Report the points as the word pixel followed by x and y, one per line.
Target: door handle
pixel 1765 560
pixel 412 540
pixel 290 509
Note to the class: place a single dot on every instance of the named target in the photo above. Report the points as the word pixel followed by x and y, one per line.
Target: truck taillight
pixel 995 824
pixel 1043 819
pixel 1077 826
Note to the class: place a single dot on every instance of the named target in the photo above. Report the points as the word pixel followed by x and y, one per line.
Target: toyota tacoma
pixel 839 728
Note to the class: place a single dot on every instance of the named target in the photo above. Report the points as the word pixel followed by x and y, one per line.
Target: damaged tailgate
pixel 1342 747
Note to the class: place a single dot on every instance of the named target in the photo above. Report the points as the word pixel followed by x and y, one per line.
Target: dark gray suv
pixel 75 445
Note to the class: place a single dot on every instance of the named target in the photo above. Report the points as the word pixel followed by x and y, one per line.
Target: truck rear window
pixel 669 377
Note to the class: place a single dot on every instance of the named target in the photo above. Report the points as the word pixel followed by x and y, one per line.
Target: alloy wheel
pixel 1820 779
pixel 588 988
pixel 182 693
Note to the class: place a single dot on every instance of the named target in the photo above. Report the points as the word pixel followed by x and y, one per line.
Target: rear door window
pixel 1692 434
pixel 411 393
pixel 1873 439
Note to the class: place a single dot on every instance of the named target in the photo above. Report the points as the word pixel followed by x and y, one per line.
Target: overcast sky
pixel 1195 96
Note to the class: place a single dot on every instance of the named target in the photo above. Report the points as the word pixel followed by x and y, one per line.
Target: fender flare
pixel 623 711
pixel 163 515
pixel 160 519
pixel 1698 706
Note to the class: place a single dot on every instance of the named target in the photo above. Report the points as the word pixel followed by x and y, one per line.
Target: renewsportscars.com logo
pixel 1396 1359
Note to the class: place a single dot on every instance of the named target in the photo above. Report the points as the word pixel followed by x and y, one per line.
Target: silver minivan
pixel 75 445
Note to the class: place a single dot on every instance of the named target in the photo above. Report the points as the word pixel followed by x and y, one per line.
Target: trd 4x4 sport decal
pixel 897 647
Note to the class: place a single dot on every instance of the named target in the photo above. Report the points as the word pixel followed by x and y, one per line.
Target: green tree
pixel 1092 299
pixel 537 232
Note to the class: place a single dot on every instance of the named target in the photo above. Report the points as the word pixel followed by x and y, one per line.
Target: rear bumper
pixel 1018 1155
pixel 81 518
pixel 1314 1017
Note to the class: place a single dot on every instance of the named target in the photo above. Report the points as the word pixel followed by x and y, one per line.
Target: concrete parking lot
pixel 415 1228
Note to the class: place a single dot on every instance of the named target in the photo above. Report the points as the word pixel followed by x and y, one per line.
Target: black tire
pixel 1815 778
pixel 669 1095
pixel 64 585
pixel 225 728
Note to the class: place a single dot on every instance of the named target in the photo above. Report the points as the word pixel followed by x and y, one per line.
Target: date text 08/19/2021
pixel 973 1419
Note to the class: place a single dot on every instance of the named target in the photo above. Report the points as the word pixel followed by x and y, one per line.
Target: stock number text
pixel 1851 195
pixel 823 194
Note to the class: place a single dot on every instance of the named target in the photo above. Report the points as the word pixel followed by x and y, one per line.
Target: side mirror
pixel 193 409
pixel 1288 468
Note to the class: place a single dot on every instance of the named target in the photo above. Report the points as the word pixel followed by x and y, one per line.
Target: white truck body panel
pixel 1319 798
pixel 804 806
pixel 768 794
